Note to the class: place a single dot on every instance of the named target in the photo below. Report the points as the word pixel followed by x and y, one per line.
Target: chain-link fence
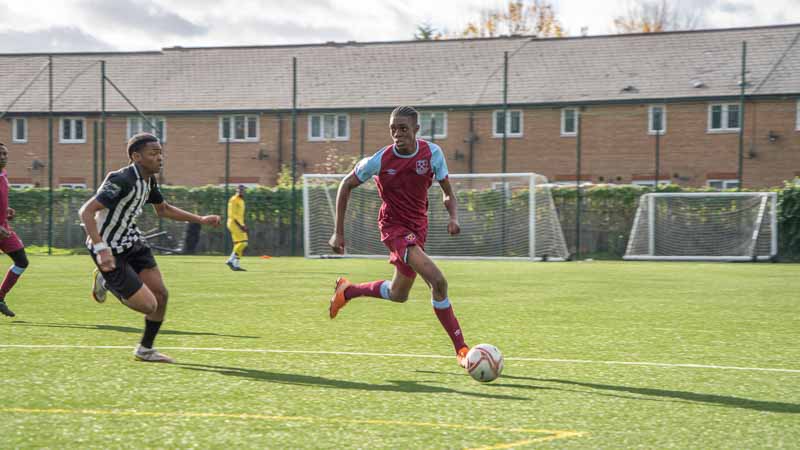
pixel 69 117
pixel 606 219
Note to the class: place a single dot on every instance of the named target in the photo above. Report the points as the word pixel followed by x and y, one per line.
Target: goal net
pixel 724 226
pixel 499 218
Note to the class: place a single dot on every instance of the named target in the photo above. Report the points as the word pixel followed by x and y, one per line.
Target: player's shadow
pixel 122 329
pixel 687 396
pixel 679 396
pixel 410 387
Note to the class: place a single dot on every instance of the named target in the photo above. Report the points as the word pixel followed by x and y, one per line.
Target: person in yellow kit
pixel 237 228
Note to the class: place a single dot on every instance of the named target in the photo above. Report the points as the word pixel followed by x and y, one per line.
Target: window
pixel 439 122
pixel 723 117
pixel 20 185
pixel 657 119
pixel 723 184
pixel 73 185
pixel 650 183
pixel 324 127
pixel 73 130
pixel 156 125
pixel 512 126
pixel 19 130
pixel 238 128
pixel 569 122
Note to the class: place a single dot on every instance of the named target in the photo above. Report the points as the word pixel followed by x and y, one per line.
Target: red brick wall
pixel 615 146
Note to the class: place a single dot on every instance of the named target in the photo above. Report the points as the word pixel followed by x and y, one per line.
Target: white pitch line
pixel 406 355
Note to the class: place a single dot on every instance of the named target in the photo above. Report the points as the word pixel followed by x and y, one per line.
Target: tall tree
pixel 653 16
pixel 528 17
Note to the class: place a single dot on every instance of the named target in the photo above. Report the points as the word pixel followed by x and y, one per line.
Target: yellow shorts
pixel 237 235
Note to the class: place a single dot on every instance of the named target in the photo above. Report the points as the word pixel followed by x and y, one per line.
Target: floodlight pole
pixel 227 186
pixel 280 142
pixel 363 131
pixel 50 156
pixel 103 119
pixel 741 115
pixel 472 141
pixel 294 151
pixel 506 120
pixel 578 192
pixel 95 137
pixel 658 151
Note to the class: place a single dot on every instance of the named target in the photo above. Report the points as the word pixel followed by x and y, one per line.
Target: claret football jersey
pixel 403 182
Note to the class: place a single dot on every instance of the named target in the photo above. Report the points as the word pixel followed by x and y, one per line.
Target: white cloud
pixel 56 39
pixel 164 23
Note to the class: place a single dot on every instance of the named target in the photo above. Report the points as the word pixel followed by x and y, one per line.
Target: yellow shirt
pixel 235 210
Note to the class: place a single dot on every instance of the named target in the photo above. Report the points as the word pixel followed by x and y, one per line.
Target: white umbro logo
pixel 391 171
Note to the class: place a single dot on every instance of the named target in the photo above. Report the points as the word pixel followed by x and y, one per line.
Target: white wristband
pixel 99 247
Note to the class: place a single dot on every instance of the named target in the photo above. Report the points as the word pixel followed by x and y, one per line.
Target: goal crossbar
pixel 503 216
pixel 705 226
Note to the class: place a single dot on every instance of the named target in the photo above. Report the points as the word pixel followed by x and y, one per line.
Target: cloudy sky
pixel 127 25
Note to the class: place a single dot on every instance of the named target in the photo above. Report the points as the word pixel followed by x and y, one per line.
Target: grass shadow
pixel 123 329
pixel 684 396
pixel 404 386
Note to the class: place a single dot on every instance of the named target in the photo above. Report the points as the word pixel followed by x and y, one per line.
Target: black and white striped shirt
pixel 123 193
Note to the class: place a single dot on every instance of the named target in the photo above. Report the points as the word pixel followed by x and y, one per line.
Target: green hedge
pixel 607 216
pixel 789 221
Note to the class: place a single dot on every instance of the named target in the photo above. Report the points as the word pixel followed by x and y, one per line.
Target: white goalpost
pixel 712 226
pixel 502 216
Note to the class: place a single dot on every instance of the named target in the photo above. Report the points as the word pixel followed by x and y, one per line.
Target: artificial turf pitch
pixel 598 355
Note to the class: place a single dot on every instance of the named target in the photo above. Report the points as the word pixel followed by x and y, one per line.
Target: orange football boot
pixel 338 301
pixel 461 356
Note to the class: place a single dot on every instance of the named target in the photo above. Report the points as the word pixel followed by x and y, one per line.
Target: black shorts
pixel 124 280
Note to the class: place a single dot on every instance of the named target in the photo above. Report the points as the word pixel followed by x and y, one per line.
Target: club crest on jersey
pixel 411 237
pixel 422 167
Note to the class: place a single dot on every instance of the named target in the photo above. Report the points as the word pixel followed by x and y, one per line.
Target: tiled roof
pixel 460 72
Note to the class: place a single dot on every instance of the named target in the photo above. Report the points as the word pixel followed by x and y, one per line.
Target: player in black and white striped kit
pixel 126 265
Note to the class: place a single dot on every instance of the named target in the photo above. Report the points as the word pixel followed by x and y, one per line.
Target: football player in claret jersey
pixel 126 264
pixel 403 172
pixel 10 243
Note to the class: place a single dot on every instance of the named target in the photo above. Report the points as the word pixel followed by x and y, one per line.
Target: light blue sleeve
pixel 369 167
pixel 438 163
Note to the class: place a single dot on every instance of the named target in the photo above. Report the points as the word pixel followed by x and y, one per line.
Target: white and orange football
pixel 484 362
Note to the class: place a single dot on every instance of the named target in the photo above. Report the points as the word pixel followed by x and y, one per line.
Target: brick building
pixel 625 93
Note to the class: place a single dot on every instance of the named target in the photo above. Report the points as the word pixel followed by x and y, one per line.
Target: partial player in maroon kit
pixel 10 243
pixel 403 171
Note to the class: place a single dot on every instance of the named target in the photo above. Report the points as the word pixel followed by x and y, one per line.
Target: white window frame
pixel 724 118
pixel 71 139
pixel 232 131
pixel 73 185
pixel 727 183
pixel 508 123
pixel 21 185
pixel 140 126
pixel 650 129
pixel 336 136
pixel 14 138
pixel 651 182
pixel 443 134
pixel 564 132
